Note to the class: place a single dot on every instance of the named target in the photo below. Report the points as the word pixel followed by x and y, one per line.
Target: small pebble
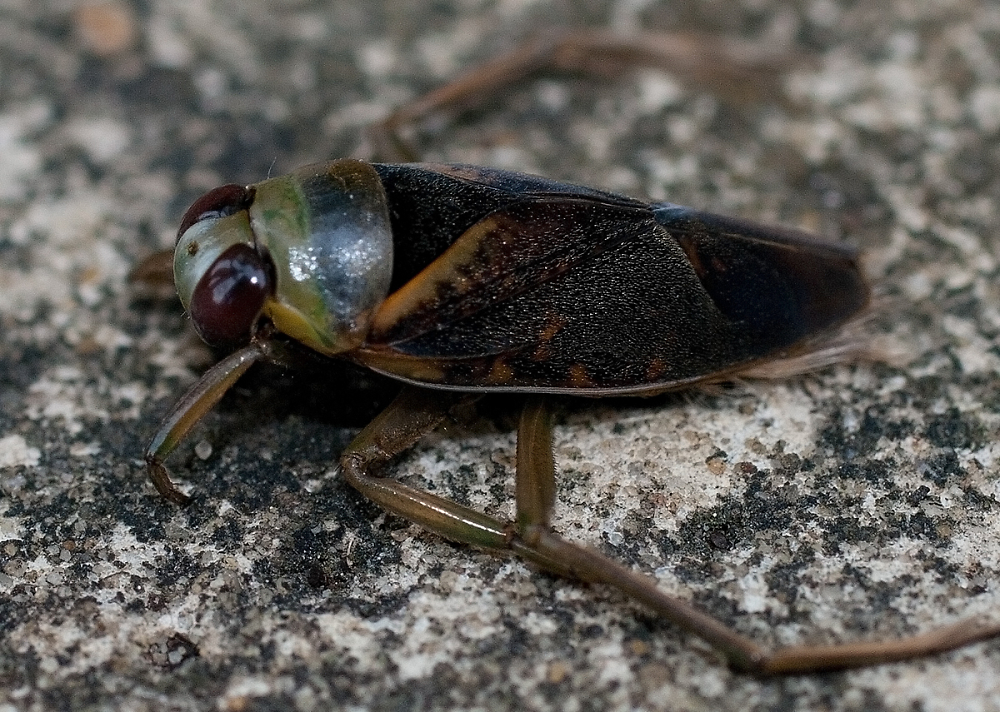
pixel 106 28
pixel 203 449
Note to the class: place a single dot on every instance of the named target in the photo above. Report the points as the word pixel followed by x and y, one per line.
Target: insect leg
pixel 413 414
pixel 535 541
pixel 156 270
pixel 191 408
pixel 416 412
pixel 738 72
pixel 811 658
pixel 535 487
pixel 535 496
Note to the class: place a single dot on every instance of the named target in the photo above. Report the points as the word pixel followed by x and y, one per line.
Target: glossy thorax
pixel 323 237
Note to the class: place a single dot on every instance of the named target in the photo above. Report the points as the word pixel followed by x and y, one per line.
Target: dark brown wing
pixel 432 205
pixel 775 285
pixel 568 290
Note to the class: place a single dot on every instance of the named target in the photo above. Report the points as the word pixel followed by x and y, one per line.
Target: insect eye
pixel 216 203
pixel 228 299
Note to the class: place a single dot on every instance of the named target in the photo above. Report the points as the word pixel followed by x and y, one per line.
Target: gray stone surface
pixel 852 503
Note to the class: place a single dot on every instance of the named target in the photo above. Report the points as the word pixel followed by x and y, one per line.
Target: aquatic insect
pixel 460 281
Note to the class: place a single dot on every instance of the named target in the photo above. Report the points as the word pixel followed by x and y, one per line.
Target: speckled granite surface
pixel 856 502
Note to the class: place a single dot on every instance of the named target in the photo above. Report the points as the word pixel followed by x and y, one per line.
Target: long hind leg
pixel 735 71
pixel 530 536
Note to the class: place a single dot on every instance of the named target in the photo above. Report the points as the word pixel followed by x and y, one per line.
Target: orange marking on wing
pixel 554 323
pixel 454 272
pixel 418 369
pixel 579 378
pixel 500 373
pixel 655 369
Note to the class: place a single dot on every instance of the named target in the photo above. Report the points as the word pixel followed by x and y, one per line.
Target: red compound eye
pixel 217 203
pixel 229 297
